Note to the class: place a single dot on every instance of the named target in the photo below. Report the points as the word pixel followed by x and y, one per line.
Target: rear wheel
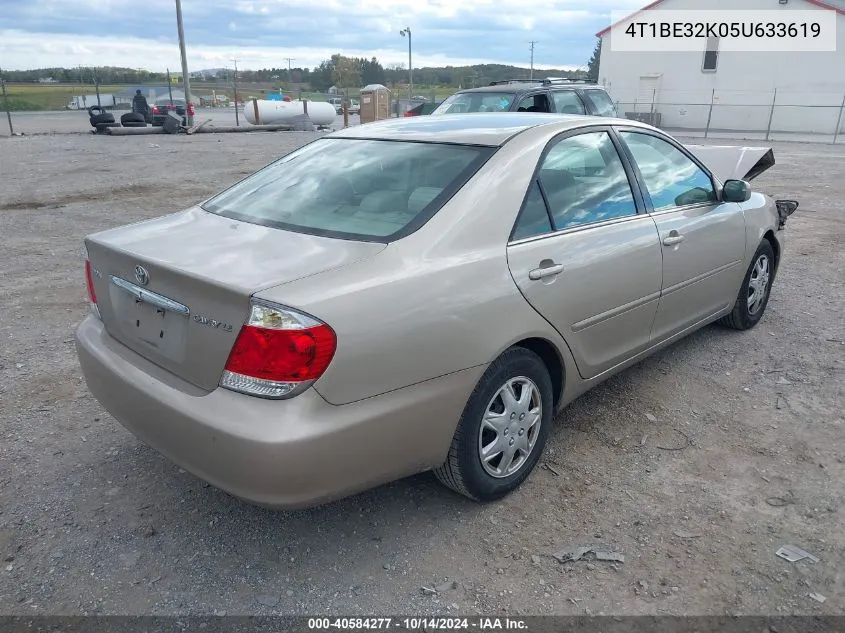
pixel 754 292
pixel 503 428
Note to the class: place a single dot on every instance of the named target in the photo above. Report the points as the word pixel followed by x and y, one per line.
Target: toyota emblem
pixel 141 275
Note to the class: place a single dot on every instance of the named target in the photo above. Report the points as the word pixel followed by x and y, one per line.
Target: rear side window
pixel 463 102
pixel 534 103
pixel 601 102
pixel 567 102
pixel 352 188
pixel 534 219
pixel 585 182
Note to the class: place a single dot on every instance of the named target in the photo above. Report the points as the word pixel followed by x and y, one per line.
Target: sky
pixel 263 33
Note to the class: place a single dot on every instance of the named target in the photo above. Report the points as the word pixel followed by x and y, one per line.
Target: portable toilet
pixel 375 103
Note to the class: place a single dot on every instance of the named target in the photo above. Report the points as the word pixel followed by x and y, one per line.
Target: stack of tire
pixel 133 119
pixel 100 119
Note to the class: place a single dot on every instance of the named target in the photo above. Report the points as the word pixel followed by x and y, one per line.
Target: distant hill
pixel 319 78
pixel 478 75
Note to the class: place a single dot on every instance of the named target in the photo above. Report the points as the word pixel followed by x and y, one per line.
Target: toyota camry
pixel 418 294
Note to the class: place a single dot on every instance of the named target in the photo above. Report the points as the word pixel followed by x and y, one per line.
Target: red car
pixel 164 105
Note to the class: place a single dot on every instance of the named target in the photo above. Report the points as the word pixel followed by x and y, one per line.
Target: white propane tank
pixel 277 112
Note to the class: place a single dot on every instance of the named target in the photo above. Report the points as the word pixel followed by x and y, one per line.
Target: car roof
pixel 524 86
pixel 473 128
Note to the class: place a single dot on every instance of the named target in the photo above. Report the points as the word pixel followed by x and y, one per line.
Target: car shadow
pixel 421 494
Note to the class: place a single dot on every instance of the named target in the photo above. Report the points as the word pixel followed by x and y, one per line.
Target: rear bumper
pixel 284 453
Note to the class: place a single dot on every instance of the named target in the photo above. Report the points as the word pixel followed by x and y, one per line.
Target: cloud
pixel 262 33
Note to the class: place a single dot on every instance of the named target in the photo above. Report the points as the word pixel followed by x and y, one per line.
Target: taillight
pixel 155 109
pixel 191 110
pixel 89 280
pixel 410 113
pixel 279 352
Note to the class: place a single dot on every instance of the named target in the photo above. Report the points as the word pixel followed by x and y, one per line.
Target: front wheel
pixel 754 292
pixel 503 428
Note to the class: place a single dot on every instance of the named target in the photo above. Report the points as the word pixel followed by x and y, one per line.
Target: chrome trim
pixel 694 280
pixel 604 316
pixel 686 207
pixel 576 229
pixel 145 296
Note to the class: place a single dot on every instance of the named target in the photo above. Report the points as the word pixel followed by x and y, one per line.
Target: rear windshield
pixel 462 102
pixel 602 102
pixel 373 190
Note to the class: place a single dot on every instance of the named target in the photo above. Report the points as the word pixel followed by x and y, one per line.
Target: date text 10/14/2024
pixel 418 623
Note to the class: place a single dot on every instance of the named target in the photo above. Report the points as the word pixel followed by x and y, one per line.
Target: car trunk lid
pixel 176 289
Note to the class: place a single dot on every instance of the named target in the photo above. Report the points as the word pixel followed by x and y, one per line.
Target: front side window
pixel 463 102
pixel 585 182
pixel 352 188
pixel 671 178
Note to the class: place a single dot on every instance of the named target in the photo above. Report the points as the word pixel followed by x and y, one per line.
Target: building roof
pixel 476 128
pixel 653 5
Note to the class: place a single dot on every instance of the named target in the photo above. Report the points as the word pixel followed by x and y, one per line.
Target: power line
pixel 532 42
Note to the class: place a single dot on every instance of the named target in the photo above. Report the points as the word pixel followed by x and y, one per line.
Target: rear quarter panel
pixel 436 302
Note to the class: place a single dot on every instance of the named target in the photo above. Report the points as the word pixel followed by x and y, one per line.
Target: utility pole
pixel 290 59
pixel 237 119
pixel 403 33
pixel 532 42
pixel 185 79
pixel 9 114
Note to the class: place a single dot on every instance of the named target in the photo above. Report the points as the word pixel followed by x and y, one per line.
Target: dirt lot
pixel 697 464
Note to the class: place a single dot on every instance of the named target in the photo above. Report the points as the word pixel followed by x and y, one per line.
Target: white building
pixel 784 91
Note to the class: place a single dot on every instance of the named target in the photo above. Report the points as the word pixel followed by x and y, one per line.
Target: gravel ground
pixel 697 464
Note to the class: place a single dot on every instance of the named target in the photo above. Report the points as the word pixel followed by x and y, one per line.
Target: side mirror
pixel 696 195
pixel 736 191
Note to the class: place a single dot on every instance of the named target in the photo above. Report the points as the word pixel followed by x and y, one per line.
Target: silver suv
pixel 562 96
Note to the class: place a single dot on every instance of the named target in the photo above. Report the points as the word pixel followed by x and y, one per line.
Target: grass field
pixel 26 97
pixel 48 97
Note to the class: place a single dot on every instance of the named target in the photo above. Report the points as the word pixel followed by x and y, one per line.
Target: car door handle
pixel 546 271
pixel 672 239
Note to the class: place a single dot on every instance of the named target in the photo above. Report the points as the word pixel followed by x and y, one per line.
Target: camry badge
pixel 141 275
pixel 203 320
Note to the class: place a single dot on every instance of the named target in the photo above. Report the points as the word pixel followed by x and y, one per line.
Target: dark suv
pixel 562 96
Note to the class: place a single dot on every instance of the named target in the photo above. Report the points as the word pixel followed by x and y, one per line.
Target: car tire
pixel 132 117
pixel 102 118
pixel 465 470
pixel 755 290
pixel 134 123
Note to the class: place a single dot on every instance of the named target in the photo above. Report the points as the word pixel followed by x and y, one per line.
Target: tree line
pixel 340 71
